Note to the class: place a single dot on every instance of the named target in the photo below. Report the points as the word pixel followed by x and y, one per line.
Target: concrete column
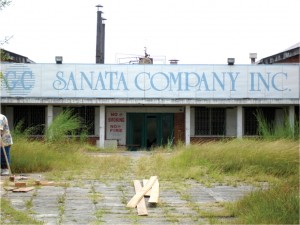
pixel 49 114
pixel 239 122
pixel 292 116
pixel 102 126
pixel 187 125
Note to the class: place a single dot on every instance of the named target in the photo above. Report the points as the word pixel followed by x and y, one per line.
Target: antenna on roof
pixel 146 54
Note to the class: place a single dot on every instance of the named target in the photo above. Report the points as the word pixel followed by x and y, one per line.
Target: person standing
pixel 5 143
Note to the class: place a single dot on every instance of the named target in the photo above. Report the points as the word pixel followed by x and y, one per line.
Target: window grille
pixel 30 117
pixel 87 118
pixel 210 121
pixel 251 122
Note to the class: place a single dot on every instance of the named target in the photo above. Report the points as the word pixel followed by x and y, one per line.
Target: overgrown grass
pixel 63 159
pixel 61 154
pixel 237 159
pixel 277 205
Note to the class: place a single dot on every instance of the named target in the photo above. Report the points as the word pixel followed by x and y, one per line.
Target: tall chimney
pixel 100 39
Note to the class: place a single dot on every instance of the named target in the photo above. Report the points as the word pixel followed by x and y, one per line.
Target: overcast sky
pixel 192 31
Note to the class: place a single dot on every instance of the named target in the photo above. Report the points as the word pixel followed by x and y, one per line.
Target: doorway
pixel 148 130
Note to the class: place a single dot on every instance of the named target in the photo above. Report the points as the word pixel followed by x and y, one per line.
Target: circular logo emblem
pixel 18 80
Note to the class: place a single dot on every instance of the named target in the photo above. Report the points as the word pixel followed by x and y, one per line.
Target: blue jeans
pixel 3 160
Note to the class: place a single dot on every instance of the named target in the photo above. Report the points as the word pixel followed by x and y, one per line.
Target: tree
pixel 3 55
pixel 4 3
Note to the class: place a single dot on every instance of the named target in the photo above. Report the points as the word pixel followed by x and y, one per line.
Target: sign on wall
pixel 150 81
pixel 116 126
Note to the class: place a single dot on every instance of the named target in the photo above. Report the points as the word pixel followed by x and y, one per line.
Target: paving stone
pixel 18 204
pixel 98 202
pixel 117 219
pixel 49 219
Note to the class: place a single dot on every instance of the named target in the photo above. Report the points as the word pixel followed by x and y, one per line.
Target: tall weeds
pixel 64 124
pixel 61 160
pixel 20 131
pixel 274 131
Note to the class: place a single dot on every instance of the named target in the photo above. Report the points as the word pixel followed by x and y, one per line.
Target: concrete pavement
pixel 104 202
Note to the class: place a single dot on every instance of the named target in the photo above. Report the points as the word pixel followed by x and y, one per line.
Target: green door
pixel 146 130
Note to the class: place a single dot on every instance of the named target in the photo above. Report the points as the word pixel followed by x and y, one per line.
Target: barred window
pixel 30 117
pixel 210 121
pixel 87 117
pixel 251 123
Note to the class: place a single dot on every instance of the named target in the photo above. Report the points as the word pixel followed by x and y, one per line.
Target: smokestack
pixel 100 39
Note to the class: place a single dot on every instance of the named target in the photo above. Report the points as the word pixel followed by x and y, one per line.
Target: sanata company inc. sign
pixel 161 81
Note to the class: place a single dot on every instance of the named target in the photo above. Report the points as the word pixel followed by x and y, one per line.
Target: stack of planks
pixel 150 189
pixel 19 186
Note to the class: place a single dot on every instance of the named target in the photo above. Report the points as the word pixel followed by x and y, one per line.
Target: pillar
pixel 187 125
pixel 239 122
pixel 102 126
pixel 49 114
pixel 292 116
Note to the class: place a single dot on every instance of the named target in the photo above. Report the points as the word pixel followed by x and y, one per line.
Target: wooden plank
pixel 44 183
pixel 148 192
pixel 141 206
pixel 154 193
pixel 138 196
pixel 26 189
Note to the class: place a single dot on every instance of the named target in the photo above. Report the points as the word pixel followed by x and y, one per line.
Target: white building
pixel 143 105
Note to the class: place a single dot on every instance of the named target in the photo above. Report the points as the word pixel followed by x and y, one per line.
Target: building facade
pixel 290 55
pixel 7 56
pixel 141 106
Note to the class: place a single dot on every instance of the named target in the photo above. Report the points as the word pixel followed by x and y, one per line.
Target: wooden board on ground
pixel 154 193
pixel 138 196
pixel 148 192
pixel 44 183
pixel 141 206
pixel 25 189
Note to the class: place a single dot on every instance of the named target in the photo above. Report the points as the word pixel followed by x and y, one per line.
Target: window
pixel 87 117
pixel 30 117
pixel 210 121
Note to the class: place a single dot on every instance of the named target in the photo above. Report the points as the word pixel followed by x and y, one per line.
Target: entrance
pixel 147 130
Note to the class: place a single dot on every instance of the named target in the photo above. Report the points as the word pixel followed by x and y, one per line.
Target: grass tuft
pixel 64 124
